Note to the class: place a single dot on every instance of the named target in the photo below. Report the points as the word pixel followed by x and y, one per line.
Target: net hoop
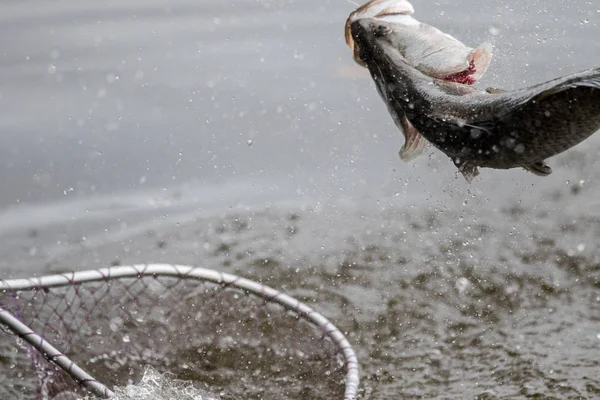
pixel 53 355
pixel 177 271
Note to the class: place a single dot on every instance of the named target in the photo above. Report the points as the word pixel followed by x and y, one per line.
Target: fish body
pixel 479 128
pixel 427 49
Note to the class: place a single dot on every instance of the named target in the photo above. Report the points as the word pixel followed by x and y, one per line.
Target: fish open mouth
pixel 453 61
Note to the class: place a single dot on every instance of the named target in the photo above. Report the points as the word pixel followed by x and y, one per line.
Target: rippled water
pixel 240 136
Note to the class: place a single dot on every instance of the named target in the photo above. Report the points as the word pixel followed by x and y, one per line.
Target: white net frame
pixel 270 295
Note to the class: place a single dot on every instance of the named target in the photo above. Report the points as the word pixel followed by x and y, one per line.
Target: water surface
pixel 141 131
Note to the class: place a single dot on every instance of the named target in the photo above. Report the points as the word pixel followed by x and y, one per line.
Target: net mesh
pixel 220 337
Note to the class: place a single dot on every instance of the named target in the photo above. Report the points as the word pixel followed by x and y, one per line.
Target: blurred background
pixel 240 135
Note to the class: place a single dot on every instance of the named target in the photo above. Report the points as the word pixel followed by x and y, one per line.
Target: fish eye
pixel 382 30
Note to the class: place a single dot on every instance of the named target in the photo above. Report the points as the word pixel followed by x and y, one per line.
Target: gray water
pixel 140 131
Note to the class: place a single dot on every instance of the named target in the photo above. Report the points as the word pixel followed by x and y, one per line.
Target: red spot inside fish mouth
pixel 463 77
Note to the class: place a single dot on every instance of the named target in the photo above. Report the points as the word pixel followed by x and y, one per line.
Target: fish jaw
pixel 381 8
pixel 456 63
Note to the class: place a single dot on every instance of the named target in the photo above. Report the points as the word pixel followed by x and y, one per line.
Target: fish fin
pixel 414 144
pixel 539 168
pixel 481 57
pixel 493 90
pixel 469 171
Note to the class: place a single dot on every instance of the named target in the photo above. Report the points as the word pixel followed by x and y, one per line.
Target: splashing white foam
pixel 157 386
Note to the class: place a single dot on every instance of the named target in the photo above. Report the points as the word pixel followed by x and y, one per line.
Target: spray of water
pixel 157 386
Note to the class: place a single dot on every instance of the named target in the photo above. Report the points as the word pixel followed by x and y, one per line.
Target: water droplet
pixel 115 324
pixel 580 247
pixel 51 69
pixel 511 289
pixel 494 31
pixel 249 142
pixel 462 284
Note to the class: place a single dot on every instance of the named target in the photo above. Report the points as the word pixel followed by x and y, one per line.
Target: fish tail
pixel 590 79
pixel 593 82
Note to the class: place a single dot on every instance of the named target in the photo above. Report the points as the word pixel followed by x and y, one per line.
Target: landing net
pixel 71 335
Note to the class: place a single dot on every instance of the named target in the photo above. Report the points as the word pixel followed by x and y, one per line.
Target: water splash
pixel 157 386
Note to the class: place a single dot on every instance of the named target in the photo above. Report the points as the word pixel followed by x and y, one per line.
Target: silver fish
pixel 481 128
pixel 426 48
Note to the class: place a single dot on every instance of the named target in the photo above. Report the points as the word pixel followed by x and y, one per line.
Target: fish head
pixel 424 47
pixel 401 10
pixel 374 38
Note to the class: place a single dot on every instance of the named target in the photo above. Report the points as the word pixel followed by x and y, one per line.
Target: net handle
pixel 54 356
pixel 204 274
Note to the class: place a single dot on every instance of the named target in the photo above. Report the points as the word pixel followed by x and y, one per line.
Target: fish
pixel 479 128
pixel 427 49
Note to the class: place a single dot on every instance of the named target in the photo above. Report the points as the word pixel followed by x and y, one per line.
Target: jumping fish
pixel 479 128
